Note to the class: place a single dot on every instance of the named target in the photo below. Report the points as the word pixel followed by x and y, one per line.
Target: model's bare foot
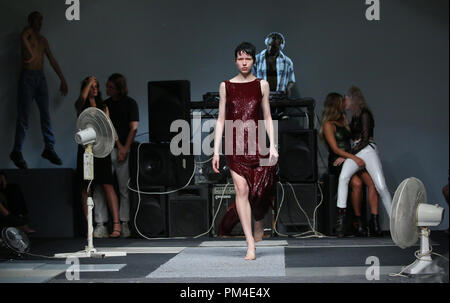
pixel 251 255
pixel 259 231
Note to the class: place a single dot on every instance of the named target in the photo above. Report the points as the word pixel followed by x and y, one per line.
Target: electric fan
pixel 97 134
pixel 15 240
pixel 410 218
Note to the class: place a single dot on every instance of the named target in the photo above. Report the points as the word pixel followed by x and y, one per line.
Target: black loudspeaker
pixel 53 200
pixel 151 213
pixel 205 174
pixel 158 166
pixel 167 101
pixel 229 196
pixel 188 211
pixel 328 213
pixel 298 156
pixel 291 219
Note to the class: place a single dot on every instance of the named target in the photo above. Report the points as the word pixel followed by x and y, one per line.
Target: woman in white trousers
pixel 335 132
pixel 364 147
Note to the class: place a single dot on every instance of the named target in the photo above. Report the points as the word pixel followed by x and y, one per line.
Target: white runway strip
pixel 24 272
pixel 212 262
pixel 143 250
pixel 337 271
pixel 241 243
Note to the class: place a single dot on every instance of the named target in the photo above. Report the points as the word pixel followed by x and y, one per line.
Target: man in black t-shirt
pixel 124 114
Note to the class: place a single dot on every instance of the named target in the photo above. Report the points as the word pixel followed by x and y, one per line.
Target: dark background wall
pixel 400 62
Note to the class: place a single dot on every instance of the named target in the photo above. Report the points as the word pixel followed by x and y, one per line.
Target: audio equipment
pixel 151 215
pixel 204 172
pixel 188 211
pixel 167 101
pixel 158 166
pixel 229 196
pixel 328 212
pixel 298 156
pixel 291 219
pixel 211 96
pixel 274 95
pixel 277 105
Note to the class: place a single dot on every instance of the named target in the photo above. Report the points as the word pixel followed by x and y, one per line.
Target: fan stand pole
pixel 89 250
pixel 425 258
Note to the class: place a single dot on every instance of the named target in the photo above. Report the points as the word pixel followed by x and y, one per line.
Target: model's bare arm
pixel 63 87
pixel 268 122
pixel 221 119
pixel 219 127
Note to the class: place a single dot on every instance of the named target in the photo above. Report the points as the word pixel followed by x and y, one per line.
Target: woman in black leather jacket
pixel 362 128
pixel 336 133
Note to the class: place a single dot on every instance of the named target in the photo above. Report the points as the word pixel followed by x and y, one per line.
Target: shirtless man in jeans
pixel 33 85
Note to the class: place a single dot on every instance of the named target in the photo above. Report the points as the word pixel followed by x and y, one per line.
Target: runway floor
pixel 218 260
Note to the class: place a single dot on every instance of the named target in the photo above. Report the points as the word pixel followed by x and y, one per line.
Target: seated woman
pixel 335 131
pixel 90 96
pixel 13 210
pixel 362 126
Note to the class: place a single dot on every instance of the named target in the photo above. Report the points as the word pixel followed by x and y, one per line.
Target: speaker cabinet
pixel 229 196
pixel 291 219
pixel 204 173
pixel 298 156
pixel 329 183
pixel 151 213
pixel 188 211
pixel 167 101
pixel 158 166
pixel 53 200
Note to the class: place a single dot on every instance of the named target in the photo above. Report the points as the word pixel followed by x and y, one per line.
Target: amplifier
pixel 229 196
pixel 227 191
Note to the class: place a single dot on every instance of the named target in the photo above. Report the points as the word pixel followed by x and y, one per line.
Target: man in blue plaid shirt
pixel 274 66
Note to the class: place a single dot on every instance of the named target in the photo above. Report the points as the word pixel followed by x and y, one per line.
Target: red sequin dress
pixel 243 102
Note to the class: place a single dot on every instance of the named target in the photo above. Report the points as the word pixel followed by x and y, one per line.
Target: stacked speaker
pixel 297 192
pixel 153 166
pixel 188 211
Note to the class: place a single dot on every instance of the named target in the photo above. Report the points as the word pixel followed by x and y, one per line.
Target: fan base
pixel 91 254
pixel 424 261
pixel 421 266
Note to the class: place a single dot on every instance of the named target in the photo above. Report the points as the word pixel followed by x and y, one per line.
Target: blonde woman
pixel 362 126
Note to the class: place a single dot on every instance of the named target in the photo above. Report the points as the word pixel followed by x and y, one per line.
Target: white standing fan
pixel 411 216
pixel 97 134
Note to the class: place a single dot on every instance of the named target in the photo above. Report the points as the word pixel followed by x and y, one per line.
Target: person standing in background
pixel 124 114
